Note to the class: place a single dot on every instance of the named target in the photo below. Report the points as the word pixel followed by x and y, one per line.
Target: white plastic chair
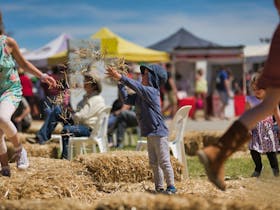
pixel 176 137
pixel 97 137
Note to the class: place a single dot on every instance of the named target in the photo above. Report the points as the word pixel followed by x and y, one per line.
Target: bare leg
pixel 5 169
pixel 264 109
pixel 7 126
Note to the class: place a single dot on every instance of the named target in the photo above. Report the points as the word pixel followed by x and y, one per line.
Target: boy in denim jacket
pixel 146 100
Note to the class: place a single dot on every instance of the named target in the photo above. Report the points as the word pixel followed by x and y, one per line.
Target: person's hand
pixel 49 80
pixel 113 73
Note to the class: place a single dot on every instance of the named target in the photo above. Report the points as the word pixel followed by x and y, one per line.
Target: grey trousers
pixel 159 159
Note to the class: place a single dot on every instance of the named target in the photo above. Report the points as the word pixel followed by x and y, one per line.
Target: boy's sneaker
pixel 160 190
pixel 22 162
pixel 170 190
pixel 6 171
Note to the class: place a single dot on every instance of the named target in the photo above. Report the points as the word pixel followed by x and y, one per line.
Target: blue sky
pixel 33 23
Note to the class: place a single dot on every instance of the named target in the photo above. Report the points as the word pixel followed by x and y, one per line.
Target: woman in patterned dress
pixel 10 96
pixel 264 137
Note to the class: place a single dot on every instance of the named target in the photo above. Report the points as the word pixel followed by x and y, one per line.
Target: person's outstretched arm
pixel 26 65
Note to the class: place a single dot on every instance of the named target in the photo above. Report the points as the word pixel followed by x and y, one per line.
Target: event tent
pixel 40 56
pixel 183 39
pixel 256 53
pixel 255 56
pixel 115 46
pixel 60 57
pixel 190 52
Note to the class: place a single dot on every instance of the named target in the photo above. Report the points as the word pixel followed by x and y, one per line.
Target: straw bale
pixel 48 178
pixel 195 140
pixel 50 150
pixel 55 204
pixel 163 202
pixel 194 193
pixel 37 124
pixel 122 166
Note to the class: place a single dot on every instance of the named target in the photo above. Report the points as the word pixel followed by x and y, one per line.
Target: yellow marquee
pixel 114 46
pixel 58 58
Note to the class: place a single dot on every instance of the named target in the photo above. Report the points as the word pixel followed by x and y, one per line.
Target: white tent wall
pixel 40 56
pixel 255 56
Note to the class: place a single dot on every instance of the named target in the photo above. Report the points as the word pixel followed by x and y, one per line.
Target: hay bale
pixel 37 124
pixel 162 202
pixel 210 137
pixel 55 204
pixel 195 140
pixel 48 178
pixel 50 150
pixel 122 166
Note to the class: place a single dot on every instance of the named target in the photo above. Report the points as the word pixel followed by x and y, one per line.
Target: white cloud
pixel 63 11
pixel 236 24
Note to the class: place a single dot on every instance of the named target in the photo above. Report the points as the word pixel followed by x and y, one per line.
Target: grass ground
pixel 240 165
pixel 235 167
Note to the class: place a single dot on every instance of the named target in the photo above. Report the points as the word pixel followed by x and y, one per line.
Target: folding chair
pixel 97 137
pixel 176 137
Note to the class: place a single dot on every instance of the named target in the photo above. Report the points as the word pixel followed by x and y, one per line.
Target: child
pixel 147 104
pixel 213 157
pixel 10 97
pixel 264 138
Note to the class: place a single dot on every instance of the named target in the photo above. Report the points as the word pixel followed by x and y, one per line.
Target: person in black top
pixel 171 92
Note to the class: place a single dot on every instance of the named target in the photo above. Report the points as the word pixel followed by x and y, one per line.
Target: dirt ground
pixel 61 184
pixel 57 184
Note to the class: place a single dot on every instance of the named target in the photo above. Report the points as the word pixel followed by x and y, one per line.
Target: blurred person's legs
pixel 159 159
pixel 173 101
pixel 6 111
pixel 172 104
pixel 204 99
pixel 111 129
pixel 18 126
pixel 224 101
pixel 273 161
pixel 126 119
pixel 50 123
pixel 214 156
pixel 256 156
pixel 23 125
pixel 33 106
pixel 72 130
pixel 201 104
pixel 5 169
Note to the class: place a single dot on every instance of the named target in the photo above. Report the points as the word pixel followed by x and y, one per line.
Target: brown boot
pixel 5 168
pixel 214 156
